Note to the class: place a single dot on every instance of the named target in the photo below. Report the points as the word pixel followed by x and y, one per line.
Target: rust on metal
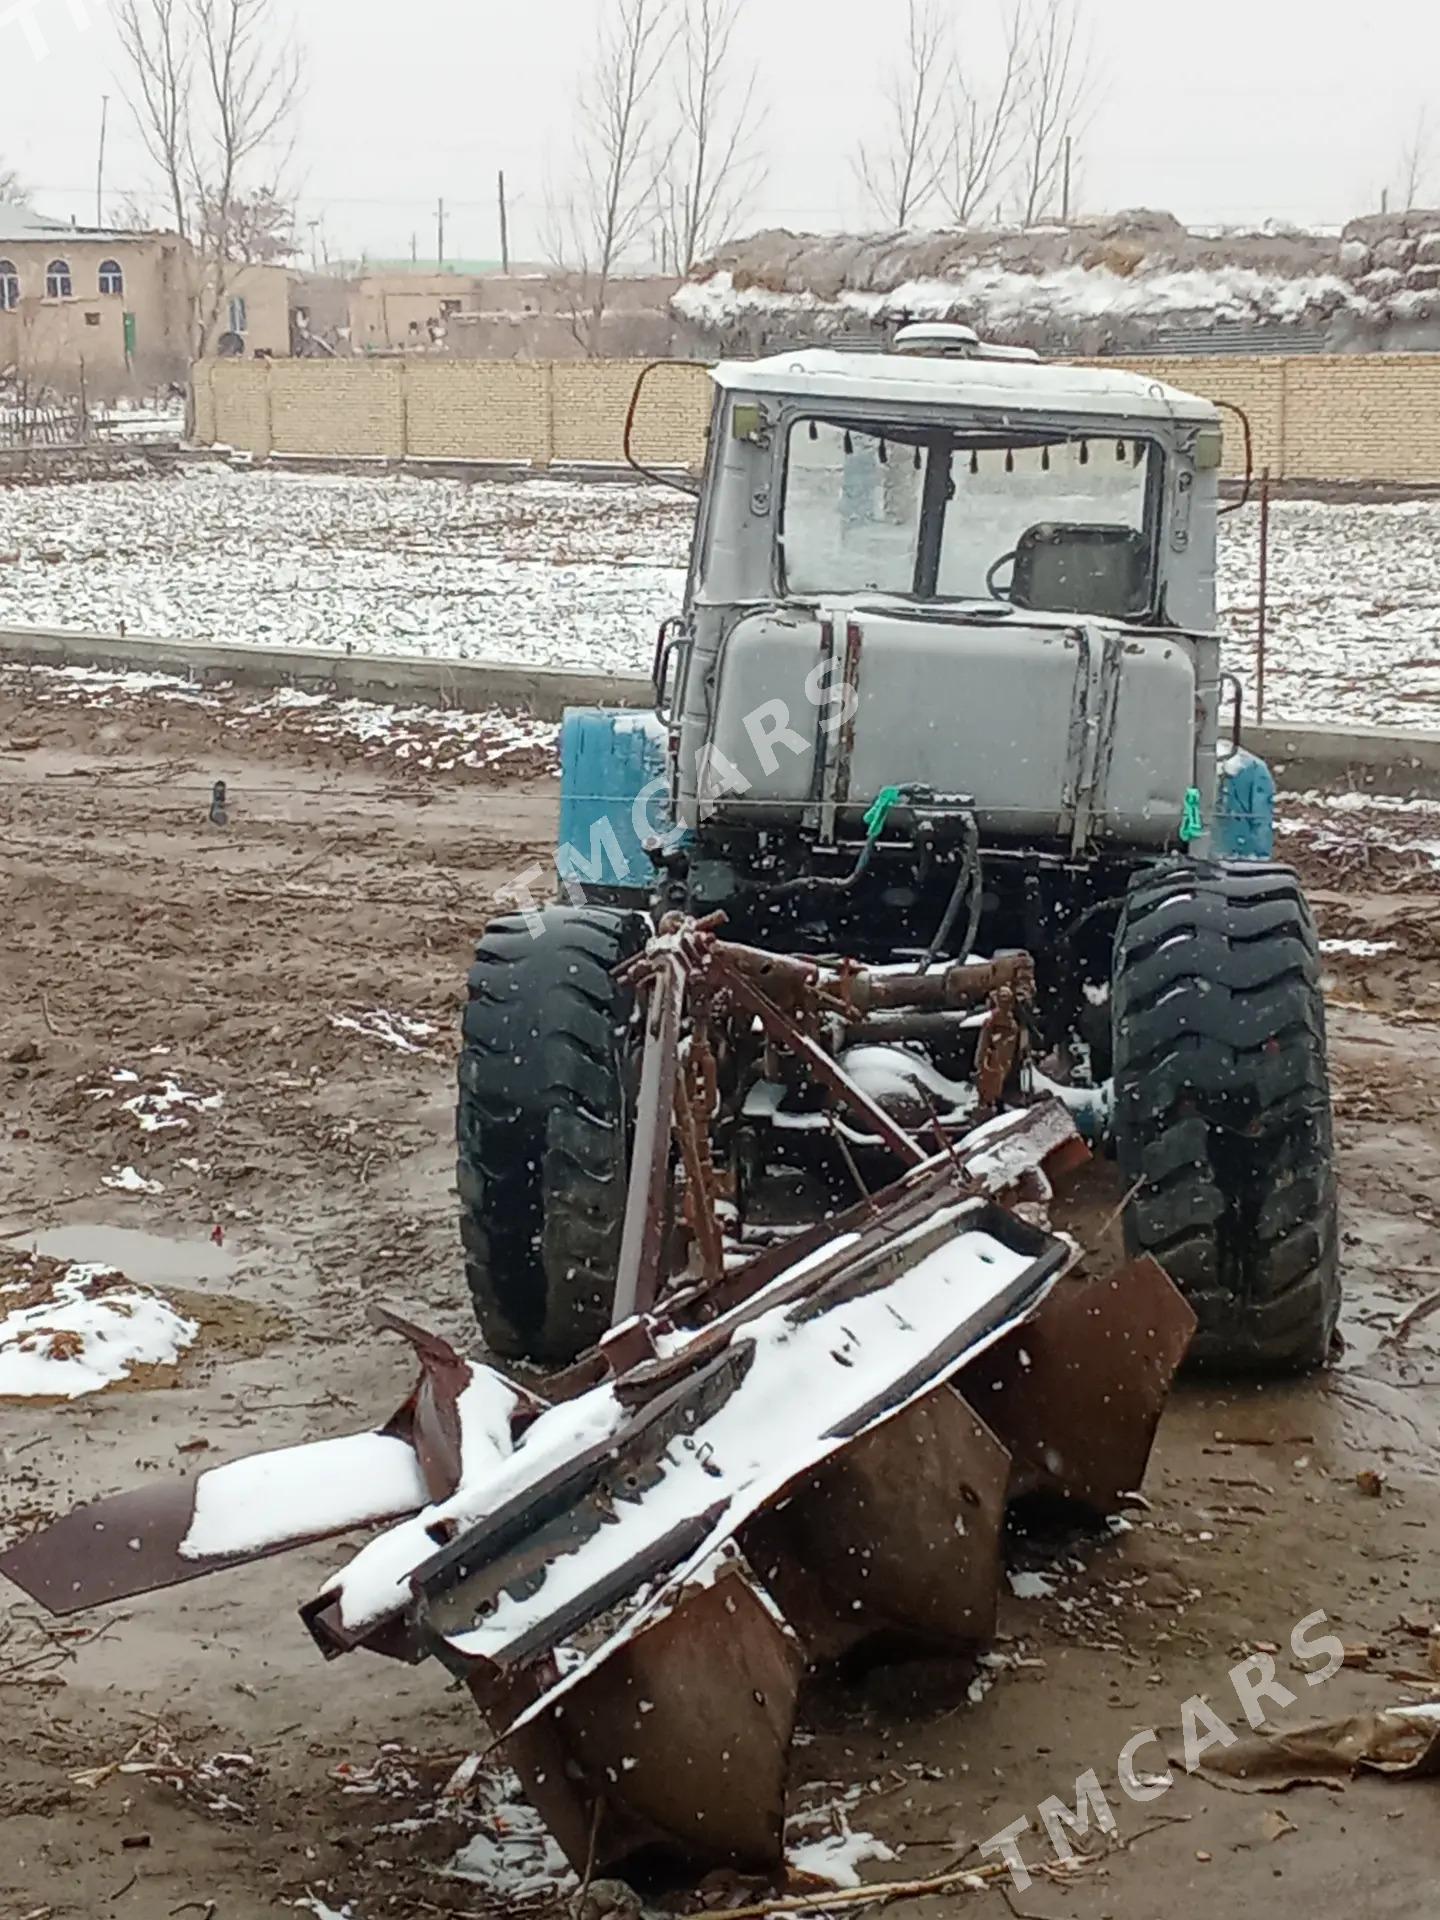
pixel 999 1051
pixel 1076 1394
pixel 900 1538
pixel 681 1740
pixel 785 1033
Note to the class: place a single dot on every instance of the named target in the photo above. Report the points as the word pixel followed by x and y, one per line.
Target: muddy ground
pixel 343 885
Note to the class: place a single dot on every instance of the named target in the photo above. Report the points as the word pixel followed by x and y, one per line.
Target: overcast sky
pixel 1228 110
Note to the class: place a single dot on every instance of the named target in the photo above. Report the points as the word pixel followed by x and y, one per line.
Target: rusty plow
pixel 800 1439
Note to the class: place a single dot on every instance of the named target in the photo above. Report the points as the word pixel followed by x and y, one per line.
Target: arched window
pixel 9 287
pixel 58 284
pixel 112 280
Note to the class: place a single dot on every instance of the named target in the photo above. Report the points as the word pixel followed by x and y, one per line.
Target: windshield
pixel 1045 520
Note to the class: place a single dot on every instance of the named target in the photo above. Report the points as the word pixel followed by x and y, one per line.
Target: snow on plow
pixel 790 1447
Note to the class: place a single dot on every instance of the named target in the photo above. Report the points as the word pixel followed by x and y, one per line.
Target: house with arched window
pixel 112 310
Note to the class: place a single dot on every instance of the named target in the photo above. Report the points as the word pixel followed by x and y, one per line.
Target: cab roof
pixel 825 374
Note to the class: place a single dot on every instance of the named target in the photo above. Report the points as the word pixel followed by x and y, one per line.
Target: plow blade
pixel 678 1743
pixel 815 1478
pixel 161 1536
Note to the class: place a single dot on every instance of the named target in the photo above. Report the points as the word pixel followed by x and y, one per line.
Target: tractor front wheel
pixel 542 1127
pixel 1222 1109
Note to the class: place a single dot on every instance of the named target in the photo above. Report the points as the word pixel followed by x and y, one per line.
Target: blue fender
pixel 1245 809
pixel 608 760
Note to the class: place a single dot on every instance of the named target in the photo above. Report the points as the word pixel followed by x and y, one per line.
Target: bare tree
pixel 716 168
pixel 622 156
pixel 214 88
pixel 259 229
pixel 1416 164
pixel 12 194
pixel 902 167
pixel 1057 90
pixel 982 141
pixel 157 39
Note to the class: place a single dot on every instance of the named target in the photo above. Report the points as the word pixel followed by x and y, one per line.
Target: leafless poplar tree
pixel 623 154
pixel 1057 89
pixel 902 168
pixel 12 194
pixel 1416 164
pixel 214 88
pixel 716 168
pixel 982 142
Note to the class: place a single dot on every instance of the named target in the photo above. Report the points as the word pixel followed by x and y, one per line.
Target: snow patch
pixel 128 1180
pixel 392 1029
pixel 837 1857
pixel 86 1333
pixel 1360 949
pixel 296 1492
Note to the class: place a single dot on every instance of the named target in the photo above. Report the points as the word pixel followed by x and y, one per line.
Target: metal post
pixel 1263 610
pixel 1065 190
pixel 504 225
pixel 100 162
pixel 440 234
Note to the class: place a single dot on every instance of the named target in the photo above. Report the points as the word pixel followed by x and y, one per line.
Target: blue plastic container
pixel 1245 809
pixel 608 759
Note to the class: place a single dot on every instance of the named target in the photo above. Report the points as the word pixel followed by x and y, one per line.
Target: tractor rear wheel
pixel 1222 1109
pixel 542 1127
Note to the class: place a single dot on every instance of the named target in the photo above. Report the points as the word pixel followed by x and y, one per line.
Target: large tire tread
pixel 541 1129
pixel 1223 1124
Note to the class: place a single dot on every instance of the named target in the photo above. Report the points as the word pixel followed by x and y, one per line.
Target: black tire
pixel 1222 1109
pixel 542 1128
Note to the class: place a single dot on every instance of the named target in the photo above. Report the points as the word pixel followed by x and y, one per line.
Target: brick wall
pixel 1343 417
pixel 468 409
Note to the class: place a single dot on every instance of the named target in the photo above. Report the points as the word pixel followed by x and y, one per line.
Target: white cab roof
pixel 910 379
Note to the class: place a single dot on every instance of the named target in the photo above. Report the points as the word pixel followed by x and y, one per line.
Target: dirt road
pixel 142 937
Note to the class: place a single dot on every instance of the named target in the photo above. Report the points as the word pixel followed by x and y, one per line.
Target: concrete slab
pixel 1376 759
pixel 387 679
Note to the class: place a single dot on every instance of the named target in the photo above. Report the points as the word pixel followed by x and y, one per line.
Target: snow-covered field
pixel 569 575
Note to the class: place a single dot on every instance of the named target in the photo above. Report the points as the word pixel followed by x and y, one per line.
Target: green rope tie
pixel 1192 823
pixel 886 799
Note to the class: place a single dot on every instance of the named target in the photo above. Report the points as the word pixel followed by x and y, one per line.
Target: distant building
pixel 111 309
pixel 478 310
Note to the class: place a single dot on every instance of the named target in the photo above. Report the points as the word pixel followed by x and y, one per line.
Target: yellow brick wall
pixel 592 398
pixel 1370 417
pixel 202 383
pixel 240 403
pixel 1255 384
pixel 335 407
pixel 1343 417
pixel 469 409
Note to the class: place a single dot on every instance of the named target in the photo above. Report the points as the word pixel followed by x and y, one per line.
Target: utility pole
pixel 100 162
pixel 440 233
pixel 1065 189
pixel 414 248
pixel 504 225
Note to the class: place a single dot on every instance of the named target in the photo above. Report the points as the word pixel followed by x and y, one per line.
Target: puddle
pixel 150 1258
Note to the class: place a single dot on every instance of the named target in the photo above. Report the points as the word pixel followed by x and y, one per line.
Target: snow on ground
pixel 1354 620
pixel 427 737
pixel 560 574
pixel 65 1333
pixel 564 575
